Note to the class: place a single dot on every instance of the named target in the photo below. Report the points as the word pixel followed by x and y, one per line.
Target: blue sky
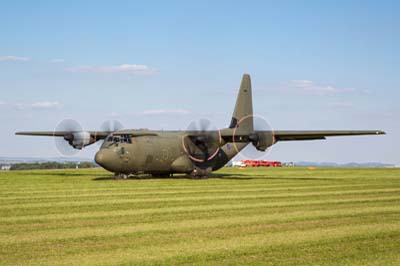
pixel 159 65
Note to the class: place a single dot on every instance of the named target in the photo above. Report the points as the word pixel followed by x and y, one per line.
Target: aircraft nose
pixel 109 160
pixel 100 158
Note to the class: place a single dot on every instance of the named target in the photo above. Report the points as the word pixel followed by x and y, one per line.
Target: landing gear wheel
pixel 119 176
pixel 199 173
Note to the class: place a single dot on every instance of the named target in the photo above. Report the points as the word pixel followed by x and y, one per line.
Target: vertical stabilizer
pixel 242 117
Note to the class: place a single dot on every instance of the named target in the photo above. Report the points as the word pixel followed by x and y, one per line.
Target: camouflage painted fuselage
pixel 156 152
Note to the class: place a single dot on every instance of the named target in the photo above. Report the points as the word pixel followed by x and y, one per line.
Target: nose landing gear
pixel 118 176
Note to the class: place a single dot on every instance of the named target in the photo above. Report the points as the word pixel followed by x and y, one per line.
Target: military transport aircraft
pixel 196 151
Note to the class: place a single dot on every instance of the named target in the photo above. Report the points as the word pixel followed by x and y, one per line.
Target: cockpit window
pixel 126 138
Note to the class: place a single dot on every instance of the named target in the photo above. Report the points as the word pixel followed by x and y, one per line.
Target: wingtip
pixel 380 132
pixel 22 133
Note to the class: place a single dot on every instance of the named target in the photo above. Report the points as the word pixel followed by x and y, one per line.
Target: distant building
pixel 256 163
pixel 5 167
pixel 288 164
pixel 238 164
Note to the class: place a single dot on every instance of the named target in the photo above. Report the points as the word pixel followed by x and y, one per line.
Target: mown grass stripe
pixel 128 219
pixel 381 248
pixel 72 187
pixel 163 237
pixel 189 247
pixel 198 198
pixel 123 192
pixel 190 224
pixel 192 208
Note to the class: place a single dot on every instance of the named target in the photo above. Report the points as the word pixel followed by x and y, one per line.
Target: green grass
pixel 286 216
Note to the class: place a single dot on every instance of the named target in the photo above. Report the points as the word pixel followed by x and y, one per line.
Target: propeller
pixel 110 126
pixel 250 152
pixel 202 141
pixel 64 144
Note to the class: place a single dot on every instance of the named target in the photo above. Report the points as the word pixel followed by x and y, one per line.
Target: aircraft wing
pixel 97 134
pixel 290 135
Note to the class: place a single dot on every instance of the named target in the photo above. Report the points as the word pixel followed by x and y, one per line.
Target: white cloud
pixel 43 105
pixel 124 68
pixel 165 112
pixel 308 86
pixel 14 58
pixel 46 105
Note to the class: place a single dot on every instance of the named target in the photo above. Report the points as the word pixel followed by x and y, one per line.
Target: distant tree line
pixel 51 165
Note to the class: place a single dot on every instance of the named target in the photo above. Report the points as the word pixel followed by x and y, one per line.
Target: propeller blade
pixel 111 126
pixel 250 152
pixel 192 127
pixel 205 124
pixel 63 145
pixel 203 142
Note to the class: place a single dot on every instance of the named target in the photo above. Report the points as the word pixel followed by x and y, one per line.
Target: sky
pixel 164 64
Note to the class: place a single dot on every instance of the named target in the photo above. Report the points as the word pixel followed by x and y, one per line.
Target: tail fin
pixel 243 112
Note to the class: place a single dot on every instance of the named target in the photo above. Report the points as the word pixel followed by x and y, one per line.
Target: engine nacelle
pixel 78 140
pixel 261 140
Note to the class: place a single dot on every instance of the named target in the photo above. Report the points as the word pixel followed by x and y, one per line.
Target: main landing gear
pixel 120 176
pixel 200 173
pixel 162 175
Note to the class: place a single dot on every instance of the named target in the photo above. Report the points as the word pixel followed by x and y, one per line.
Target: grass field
pixel 287 216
